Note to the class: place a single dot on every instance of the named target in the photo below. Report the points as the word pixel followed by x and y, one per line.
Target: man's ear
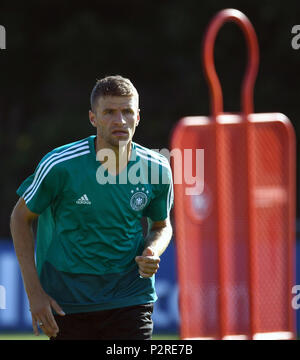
pixel 138 117
pixel 92 118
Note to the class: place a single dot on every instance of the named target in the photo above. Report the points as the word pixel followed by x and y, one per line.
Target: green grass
pixel 25 336
pixel 29 336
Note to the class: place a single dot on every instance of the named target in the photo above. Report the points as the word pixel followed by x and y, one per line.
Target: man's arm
pixel 23 238
pixel 156 243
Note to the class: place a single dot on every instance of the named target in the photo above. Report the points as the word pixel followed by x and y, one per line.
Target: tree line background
pixel 57 49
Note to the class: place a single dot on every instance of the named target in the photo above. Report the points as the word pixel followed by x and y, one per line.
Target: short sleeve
pixel 41 188
pixel 161 205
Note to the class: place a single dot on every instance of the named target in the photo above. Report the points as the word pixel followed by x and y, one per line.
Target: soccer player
pixel 93 277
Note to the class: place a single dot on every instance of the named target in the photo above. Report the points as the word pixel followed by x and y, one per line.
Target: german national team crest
pixel 139 198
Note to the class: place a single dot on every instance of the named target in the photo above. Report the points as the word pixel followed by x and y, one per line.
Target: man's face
pixel 115 118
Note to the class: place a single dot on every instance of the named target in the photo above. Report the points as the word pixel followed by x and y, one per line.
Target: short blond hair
pixel 115 85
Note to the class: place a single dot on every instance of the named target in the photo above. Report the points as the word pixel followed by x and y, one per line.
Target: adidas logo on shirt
pixel 83 200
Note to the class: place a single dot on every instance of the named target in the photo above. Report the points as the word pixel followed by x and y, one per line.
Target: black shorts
pixel 128 323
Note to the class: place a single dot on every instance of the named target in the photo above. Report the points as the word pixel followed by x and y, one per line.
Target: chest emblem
pixel 139 198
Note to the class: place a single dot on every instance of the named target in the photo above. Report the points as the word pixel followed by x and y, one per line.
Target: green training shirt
pixel 89 229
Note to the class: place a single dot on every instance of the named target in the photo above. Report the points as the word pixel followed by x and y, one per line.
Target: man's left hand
pixel 148 263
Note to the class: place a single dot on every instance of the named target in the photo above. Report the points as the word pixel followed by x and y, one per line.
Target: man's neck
pixel 122 155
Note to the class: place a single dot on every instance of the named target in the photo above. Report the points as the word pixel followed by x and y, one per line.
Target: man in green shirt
pixel 94 272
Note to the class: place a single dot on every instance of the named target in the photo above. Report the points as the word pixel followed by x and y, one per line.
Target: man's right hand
pixel 41 306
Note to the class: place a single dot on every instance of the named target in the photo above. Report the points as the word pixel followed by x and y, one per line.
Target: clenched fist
pixel 148 263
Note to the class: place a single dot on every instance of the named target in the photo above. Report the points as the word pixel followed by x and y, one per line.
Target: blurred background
pixel 55 52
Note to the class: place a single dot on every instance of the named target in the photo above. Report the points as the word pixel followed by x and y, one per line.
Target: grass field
pixel 29 336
